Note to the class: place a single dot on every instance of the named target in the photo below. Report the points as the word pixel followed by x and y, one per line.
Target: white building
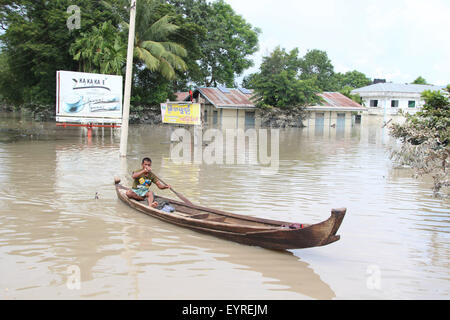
pixel 388 98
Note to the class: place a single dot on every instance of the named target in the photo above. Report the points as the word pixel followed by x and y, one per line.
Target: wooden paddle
pixel 173 190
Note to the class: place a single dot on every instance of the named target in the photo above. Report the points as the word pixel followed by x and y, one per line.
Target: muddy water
pixel 57 241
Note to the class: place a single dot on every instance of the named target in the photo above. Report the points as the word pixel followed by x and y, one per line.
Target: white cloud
pixel 398 40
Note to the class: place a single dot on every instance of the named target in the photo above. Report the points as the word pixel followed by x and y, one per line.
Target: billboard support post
pixel 127 94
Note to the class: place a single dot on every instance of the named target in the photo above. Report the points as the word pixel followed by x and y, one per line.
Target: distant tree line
pixel 179 44
pixel 286 80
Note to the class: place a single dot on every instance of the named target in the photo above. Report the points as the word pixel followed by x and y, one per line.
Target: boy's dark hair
pixel 146 159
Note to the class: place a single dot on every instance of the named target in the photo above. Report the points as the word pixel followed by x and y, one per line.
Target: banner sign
pixel 181 113
pixel 88 97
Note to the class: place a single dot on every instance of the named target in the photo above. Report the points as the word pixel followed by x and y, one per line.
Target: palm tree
pixel 103 50
pixel 151 46
pixel 100 50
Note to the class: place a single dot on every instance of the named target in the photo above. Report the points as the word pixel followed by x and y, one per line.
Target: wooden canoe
pixel 271 234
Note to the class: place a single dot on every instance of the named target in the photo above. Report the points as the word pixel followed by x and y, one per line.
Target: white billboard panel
pixel 88 97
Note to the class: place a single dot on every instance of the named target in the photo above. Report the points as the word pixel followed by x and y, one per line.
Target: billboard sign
pixel 88 97
pixel 181 113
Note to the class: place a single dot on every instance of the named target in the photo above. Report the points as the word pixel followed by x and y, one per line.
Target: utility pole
pixel 128 80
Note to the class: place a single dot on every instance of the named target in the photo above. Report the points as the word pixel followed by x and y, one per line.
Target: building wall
pixel 330 127
pixel 226 118
pixel 330 118
pixel 384 102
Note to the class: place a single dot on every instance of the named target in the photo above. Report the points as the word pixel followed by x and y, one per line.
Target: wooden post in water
pixel 128 79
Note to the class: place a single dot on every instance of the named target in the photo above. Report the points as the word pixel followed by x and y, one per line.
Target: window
pixel 215 114
pixel 320 119
pixel 411 104
pixel 249 119
pixel 374 103
pixel 318 129
pixel 394 103
pixel 340 124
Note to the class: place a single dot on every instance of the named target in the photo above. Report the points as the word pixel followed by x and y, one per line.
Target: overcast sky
pixel 397 40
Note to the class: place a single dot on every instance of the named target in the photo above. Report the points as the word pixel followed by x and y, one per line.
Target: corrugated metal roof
pixel 398 87
pixel 181 96
pixel 233 99
pixel 336 99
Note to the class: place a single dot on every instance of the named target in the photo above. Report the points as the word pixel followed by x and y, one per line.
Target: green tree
pixel 152 47
pixel 425 138
pixel 9 82
pixel 102 50
pixel 185 34
pixel 347 91
pixel 160 91
pixel 346 82
pixel 353 79
pixel 227 45
pixel 35 44
pixel 278 85
pixel 420 80
pixel 316 65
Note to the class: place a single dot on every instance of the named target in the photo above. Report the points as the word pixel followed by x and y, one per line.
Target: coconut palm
pixel 151 46
pixel 100 50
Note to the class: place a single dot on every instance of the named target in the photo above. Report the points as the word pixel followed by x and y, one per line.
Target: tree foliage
pixel 425 138
pixel 351 79
pixel 35 44
pixel 420 80
pixel 227 45
pixel 287 80
pixel 152 46
pixel 180 42
pixel 278 83
pixel 316 65
pixel 346 82
pixel 101 50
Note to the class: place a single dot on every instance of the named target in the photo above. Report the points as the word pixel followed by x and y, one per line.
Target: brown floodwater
pixel 57 241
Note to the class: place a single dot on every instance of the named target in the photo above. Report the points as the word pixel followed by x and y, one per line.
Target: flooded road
pixel 57 241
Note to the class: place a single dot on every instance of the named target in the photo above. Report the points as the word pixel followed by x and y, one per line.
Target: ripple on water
pixel 50 220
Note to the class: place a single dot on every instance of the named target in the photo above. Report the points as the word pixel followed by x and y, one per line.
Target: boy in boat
pixel 142 179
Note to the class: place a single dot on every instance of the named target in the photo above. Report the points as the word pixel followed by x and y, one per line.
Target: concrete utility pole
pixel 128 80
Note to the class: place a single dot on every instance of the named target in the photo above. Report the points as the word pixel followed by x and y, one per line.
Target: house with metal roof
pixel 234 108
pixel 335 111
pixel 226 107
pixel 388 98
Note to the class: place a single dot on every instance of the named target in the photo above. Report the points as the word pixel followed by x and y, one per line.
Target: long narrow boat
pixel 271 234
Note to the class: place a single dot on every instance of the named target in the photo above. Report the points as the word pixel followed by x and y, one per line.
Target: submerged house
pixel 233 108
pixel 388 98
pixel 225 107
pixel 335 110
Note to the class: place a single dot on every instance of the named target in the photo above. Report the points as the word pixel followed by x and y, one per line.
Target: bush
pixel 425 139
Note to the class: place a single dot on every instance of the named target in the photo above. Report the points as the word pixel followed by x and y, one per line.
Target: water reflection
pixel 195 255
pixel 50 220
